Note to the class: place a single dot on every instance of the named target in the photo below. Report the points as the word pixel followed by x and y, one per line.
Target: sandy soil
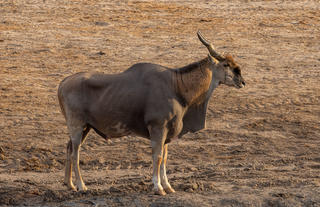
pixel 261 145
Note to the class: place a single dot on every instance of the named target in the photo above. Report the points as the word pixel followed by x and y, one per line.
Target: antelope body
pixel 147 100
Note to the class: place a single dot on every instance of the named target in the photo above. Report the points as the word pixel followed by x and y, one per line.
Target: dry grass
pixel 261 147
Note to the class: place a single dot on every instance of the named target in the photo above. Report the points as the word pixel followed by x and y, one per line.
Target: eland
pixel 146 100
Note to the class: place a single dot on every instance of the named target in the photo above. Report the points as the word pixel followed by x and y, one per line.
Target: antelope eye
pixel 225 65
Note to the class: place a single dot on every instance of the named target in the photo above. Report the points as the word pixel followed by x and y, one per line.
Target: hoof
pixel 82 188
pixel 160 192
pixel 71 186
pixel 169 190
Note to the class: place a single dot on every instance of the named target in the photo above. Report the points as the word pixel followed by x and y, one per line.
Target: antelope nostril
pixel 243 83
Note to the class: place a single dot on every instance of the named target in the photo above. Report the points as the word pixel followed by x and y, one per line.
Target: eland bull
pixel 147 100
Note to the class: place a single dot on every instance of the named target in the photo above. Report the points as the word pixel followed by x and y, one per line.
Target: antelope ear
pixel 213 60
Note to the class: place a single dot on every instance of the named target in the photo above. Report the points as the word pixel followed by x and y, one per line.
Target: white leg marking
pixel 163 174
pixel 76 140
pixel 68 170
pixel 157 135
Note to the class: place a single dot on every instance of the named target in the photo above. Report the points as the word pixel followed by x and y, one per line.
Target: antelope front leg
pixel 157 141
pixel 163 174
pixel 157 159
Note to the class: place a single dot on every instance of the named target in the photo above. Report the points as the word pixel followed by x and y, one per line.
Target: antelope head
pixel 224 68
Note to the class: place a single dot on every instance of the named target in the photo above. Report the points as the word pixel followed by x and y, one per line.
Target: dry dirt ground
pixel 261 145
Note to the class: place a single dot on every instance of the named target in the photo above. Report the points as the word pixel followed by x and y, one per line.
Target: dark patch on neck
pixel 193 66
pixel 181 100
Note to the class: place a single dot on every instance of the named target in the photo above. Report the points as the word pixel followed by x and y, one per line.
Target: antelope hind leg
pixel 68 170
pixel 76 138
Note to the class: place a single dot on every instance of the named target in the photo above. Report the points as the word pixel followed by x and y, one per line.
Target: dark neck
pixel 193 66
pixel 192 82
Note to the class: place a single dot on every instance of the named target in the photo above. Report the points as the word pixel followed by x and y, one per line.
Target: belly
pixel 120 129
pixel 117 130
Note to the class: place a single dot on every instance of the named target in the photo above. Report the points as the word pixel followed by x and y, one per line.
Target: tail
pixel 60 98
